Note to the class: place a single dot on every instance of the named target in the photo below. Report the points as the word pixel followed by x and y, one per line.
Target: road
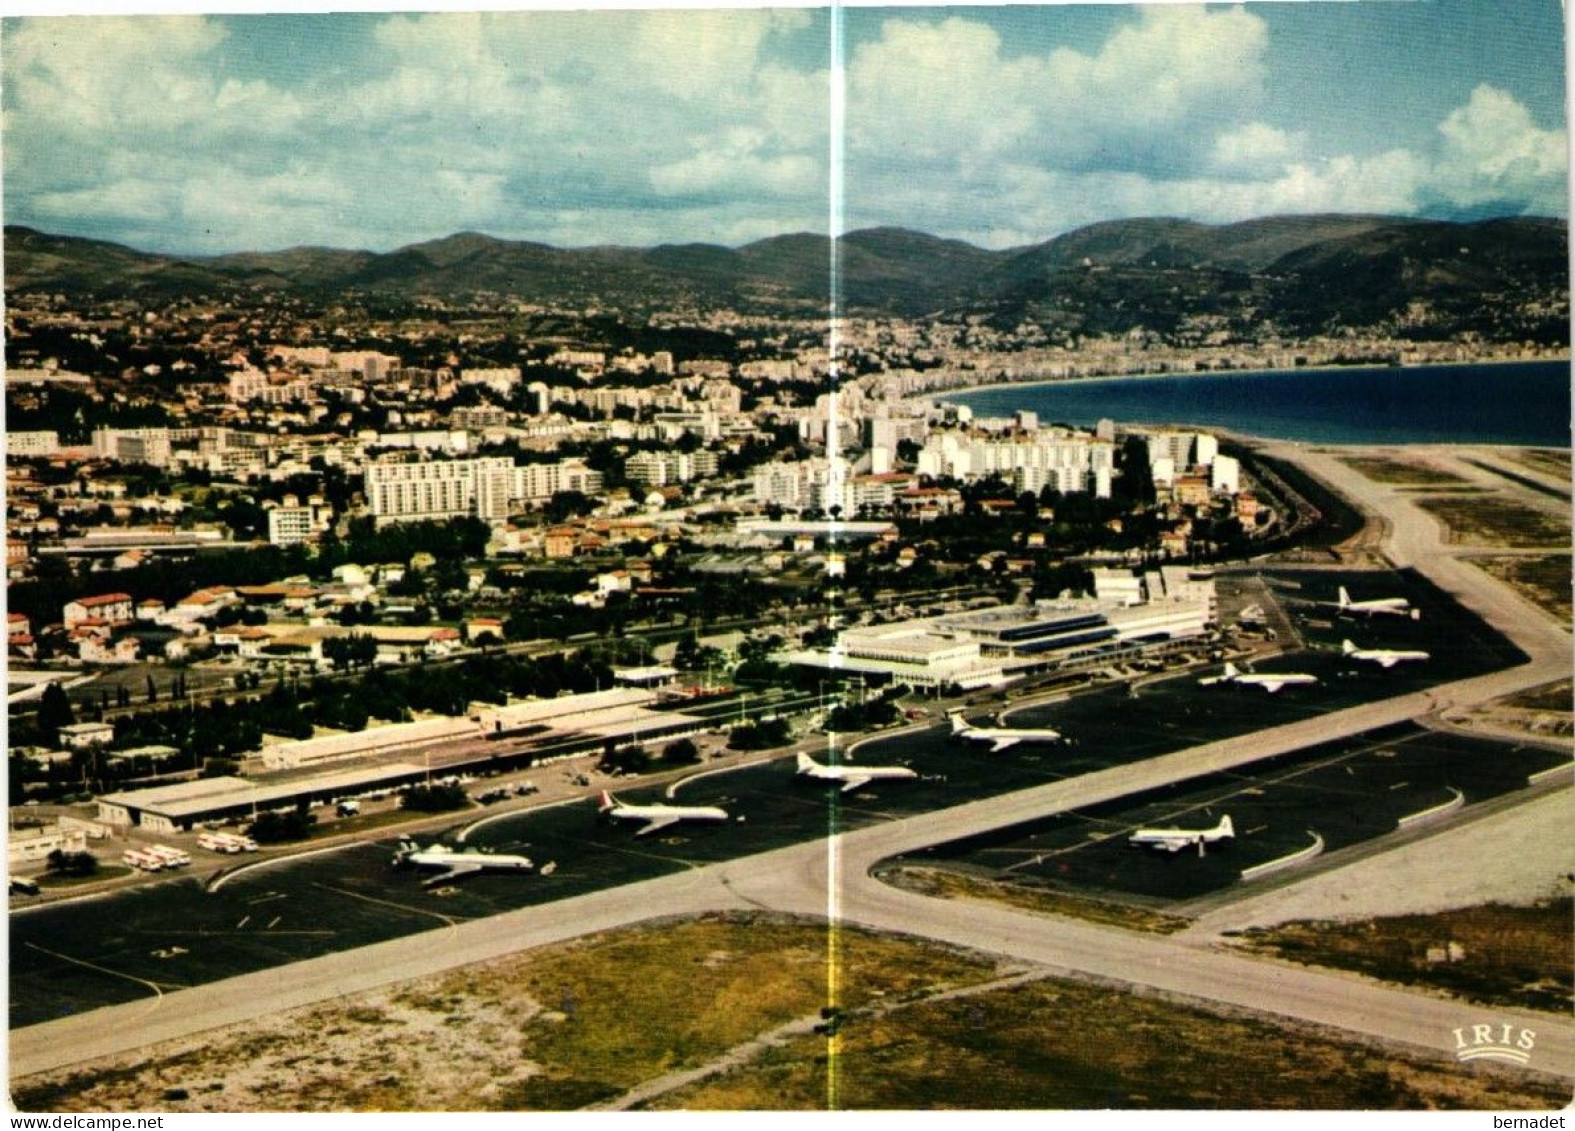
pixel 831 879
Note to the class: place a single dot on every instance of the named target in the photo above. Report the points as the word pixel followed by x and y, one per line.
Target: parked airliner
pixel 1376 607
pixel 1173 839
pixel 1000 737
pixel 454 863
pixel 1269 681
pixel 1383 657
pixel 658 816
pixel 852 777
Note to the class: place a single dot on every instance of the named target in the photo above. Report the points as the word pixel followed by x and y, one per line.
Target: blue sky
pixel 1001 126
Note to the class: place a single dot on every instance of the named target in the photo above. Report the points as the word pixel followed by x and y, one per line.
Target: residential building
pixel 412 492
pixel 111 608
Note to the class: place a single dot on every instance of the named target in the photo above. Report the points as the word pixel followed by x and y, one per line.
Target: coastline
pixel 1243 418
pixel 970 390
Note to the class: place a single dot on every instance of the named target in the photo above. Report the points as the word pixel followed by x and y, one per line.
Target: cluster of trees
pixel 765 734
pixel 450 543
pixel 638 760
pixel 274 827
pixel 868 715
pixel 65 863
pixel 433 798
pixel 218 729
pixel 357 650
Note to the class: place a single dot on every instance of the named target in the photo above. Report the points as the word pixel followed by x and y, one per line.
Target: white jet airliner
pixel 658 816
pixel 454 863
pixel 1174 840
pixel 1383 657
pixel 1000 737
pixel 1269 681
pixel 1376 607
pixel 852 777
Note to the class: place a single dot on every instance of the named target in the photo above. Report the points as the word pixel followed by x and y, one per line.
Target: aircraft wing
pixel 452 873
pixel 657 824
pixel 850 784
pixel 1174 845
pixel 1388 661
pixel 1001 744
pixel 1271 685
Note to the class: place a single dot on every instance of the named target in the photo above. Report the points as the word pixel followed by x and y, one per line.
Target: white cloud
pixel 88 78
pixel 1255 151
pixel 641 126
pixel 1493 151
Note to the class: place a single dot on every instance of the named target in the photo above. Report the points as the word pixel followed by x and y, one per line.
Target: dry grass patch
pixel 946 884
pixel 1544 581
pixel 1549 461
pixel 1549 697
pixel 1494 520
pixel 558 1028
pixel 1072 1044
pixel 1494 954
pixel 1402 473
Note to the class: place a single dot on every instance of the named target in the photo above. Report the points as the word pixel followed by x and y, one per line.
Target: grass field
pixel 1544 581
pixel 916 1026
pixel 1497 521
pixel 1064 1044
pixel 1549 697
pixel 1512 956
pixel 1403 473
pixel 955 885
pixel 104 872
pixel 556 1029
pixel 1549 461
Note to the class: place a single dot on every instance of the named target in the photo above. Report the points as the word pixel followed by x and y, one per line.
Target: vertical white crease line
pixel 836 126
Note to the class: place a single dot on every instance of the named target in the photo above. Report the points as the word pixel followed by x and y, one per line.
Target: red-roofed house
pixel 114 608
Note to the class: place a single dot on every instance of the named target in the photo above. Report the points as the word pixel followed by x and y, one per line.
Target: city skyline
pixel 999 126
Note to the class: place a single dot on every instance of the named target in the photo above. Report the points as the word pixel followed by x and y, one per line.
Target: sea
pixel 1522 403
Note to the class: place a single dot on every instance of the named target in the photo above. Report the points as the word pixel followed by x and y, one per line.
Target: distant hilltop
pixel 1502 279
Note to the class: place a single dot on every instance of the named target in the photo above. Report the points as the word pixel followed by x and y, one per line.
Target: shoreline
pixel 955 395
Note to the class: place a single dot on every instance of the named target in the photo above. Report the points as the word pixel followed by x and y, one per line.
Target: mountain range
pixel 1314 273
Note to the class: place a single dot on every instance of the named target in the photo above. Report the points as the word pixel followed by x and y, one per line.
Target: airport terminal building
pixel 1128 613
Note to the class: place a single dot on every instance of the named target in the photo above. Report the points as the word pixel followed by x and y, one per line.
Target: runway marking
pixel 156 987
pixel 219 881
pixel 450 920
pixel 269 898
pixel 630 851
pixel 273 922
pixel 464 833
pixel 243 922
pixel 672 790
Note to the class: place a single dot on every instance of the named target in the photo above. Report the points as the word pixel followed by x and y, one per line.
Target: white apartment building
pixel 32 443
pixel 412 492
pixel 1069 462
pixel 292 525
pixel 500 380
pixel 1225 475
pixel 133 445
pixel 659 469
pixel 811 484
pixel 536 482
pixel 371 365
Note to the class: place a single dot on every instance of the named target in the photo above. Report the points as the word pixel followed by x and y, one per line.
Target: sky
pixel 1001 126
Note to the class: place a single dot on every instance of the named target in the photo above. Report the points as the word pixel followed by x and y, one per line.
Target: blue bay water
pixel 1523 403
